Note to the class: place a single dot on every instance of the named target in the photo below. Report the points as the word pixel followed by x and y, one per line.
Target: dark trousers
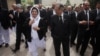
pixel 65 43
pixel 92 41
pixel 96 49
pixel 83 39
pixel 74 34
pixel 18 37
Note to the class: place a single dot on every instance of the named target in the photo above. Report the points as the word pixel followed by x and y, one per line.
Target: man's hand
pixel 36 28
pixel 31 22
pixel 91 22
pixel 83 22
pixel 10 15
pixel 14 21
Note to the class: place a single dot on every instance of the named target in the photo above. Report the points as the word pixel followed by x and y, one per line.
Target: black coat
pixel 43 28
pixel 82 16
pixel 4 18
pixel 20 20
pixel 94 14
pixel 97 23
pixel 74 21
pixel 12 19
pixel 58 29
pixel 43 13
pixel 49 14
pixel 42 25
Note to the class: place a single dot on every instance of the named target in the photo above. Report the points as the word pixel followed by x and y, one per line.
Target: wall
pixel 10 2
pixel 49 2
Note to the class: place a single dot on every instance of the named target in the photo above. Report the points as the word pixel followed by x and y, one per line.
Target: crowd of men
pixel 81 23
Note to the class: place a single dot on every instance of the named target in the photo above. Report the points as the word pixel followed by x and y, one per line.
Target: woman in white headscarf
pixel 38 31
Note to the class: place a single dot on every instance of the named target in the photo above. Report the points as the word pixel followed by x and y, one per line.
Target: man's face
pixel 77 9
pixel 19 9
pixel 69 8
pixel 59 11
pixel 86 6
pixel 98 6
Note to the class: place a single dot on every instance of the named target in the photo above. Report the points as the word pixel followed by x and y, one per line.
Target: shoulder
pixel 81 13
pixel 66 15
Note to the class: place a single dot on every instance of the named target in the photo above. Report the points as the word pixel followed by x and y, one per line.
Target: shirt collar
pixel 85 11
pixel 54 12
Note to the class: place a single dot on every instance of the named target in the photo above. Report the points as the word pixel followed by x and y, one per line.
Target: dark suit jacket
pixel 58 29
pixel 49 14
pixel 12 20
pixel 94 13
pixel 97 23
pixel 5 21
pixel 43 13
pixel 74 21
pixel 43 28
pixel 20 20
pixel 27 14
pixel 94 16
pixel 82 16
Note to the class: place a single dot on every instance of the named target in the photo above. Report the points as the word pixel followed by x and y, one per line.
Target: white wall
pixel 10 2
pixel 77 2
pixel 49 2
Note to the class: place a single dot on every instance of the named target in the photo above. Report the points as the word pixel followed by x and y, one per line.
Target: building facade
pixel 7 3
pixel 72 2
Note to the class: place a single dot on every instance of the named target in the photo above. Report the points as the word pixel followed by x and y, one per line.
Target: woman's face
pixel 34 13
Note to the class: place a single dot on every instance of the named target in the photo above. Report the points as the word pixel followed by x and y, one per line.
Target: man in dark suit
pixel 69 10
pixel 50 13
pixel 42 11
pixel 85 25
pixel 4 27
pixel 20 21
pixel 96 50
pixel 95 12
pixel 74 25
pixel 12 15
pixel 60 30
pixel 96 39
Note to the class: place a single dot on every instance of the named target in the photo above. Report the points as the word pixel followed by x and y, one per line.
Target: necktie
pixel 87 17
pixel 18 15
pixel 60 19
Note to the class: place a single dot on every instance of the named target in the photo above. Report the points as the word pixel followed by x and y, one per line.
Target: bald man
pixel 85 24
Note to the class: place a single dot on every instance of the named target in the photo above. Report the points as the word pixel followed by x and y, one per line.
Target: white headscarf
pixel 34 33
